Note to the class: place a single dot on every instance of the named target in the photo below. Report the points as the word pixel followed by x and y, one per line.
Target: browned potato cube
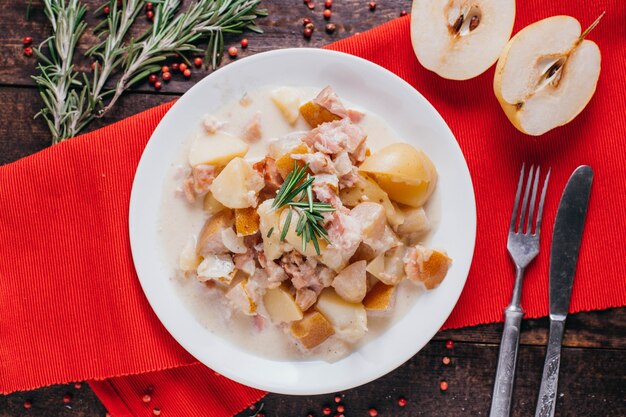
pixel 284 164
pixel 379 298
pixel 246 221
pixel 315 115
pixel 312 330
pixel 210 239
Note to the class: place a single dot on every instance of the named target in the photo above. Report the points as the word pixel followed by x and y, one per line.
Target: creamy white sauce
pixel 181 222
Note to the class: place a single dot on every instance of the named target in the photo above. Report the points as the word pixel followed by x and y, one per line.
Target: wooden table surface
pixel 593 368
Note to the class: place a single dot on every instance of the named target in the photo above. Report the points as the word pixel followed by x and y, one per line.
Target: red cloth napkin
pixel 71 307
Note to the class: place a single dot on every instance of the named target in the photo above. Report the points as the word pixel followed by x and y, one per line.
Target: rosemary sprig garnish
pixel 297 186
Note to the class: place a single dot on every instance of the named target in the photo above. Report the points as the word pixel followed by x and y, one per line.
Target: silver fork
pixel 523 246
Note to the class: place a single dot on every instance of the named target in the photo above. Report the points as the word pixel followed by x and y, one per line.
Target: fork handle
pixel 505 375
pixel 550 377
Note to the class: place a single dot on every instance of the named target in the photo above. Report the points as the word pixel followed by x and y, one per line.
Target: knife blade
pixel 566 240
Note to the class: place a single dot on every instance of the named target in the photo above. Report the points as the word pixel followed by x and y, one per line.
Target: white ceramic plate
pixel 370 87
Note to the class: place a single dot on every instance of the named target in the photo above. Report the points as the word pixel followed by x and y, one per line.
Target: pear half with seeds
pixel 460 39
pixel 547 74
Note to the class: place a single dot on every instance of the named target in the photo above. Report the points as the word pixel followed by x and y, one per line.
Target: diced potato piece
pixel 427 266
pixel 279 147
pixel 246 221
pixel 238 185
pixel 241 298
pixel 389 267
pixel 415 221
pixel 312 330
pixel 363 253
pixel 189 259
pixel 232 241
pixel 351 283
pixel 405 173
pixel 218 149
pixel 379 298
pixel 367 190
pixel 268 221
pixel 348 319
pixel 285 164
pixel 292 237
pixel 210 205
pixel 315 115
pixel 210 240
pixel 287 99
pixel 281 305
pixel 372 218
pixel 218 268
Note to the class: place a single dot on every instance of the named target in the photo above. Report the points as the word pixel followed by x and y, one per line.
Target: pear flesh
pixel 547 74
pixel 459 39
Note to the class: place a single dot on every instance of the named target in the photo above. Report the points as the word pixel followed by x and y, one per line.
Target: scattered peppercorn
pixel 152 78
pixel 182 67
pixel 337 398
pixel 373 412
pixel 232 52
pixel 150 14
pixel 260 415
pixel 156 411
pixel 401 402
pixel 27 40
pixel 197 61
pixel 106 10
pixel 326 411
pixel 372 5
pixel 175 66
pixel 28 51
pixel 78 385
pixel 443 385
pixel 146 398
pixel 67 398
pixel 306 1
pixel 306 21
pixel 449 344
pixel 445 360
pixel 187 73
pixel 27 404
pixel 149 6
pixel 165 69
pixel 310 26
pixel 244 43
pixel 328 4
pixel 307 32
pixel 311 5
pixel 327 14
pixel 330 27
pixel 340 408
pixel 403 13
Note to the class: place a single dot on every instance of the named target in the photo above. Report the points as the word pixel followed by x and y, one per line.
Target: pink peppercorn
pixel 449 344
pixel 373 412
pixel 443 385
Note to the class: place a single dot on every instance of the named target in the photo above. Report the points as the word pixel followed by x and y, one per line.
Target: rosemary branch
pixel 66 104
pixel 173 33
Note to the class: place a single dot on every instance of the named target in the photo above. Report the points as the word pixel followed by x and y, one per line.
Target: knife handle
pixel 505 375
pixel 550 378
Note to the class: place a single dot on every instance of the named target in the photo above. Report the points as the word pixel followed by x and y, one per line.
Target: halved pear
pixel 460 39
pixel 547 74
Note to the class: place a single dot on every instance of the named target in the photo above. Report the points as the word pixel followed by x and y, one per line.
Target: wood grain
pixel 593 374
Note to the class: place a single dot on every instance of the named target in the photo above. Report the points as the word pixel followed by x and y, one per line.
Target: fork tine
pixel 524 208
pixel 520 182
pixel 533 199
pixel 543 197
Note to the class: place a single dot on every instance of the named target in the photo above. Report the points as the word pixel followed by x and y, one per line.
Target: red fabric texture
pixel 71 307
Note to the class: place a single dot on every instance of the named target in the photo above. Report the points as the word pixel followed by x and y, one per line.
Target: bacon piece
pixel 252 132
pixel 328 99
pixel 211 124
pixel 273 180
pixel 203 176
pixel 305 298
pixel 319 163
pixel 338 136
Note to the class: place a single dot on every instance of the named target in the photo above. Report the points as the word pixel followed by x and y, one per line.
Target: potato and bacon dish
pixel 315 237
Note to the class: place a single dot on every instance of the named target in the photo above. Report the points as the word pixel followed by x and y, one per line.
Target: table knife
pixel 566 238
